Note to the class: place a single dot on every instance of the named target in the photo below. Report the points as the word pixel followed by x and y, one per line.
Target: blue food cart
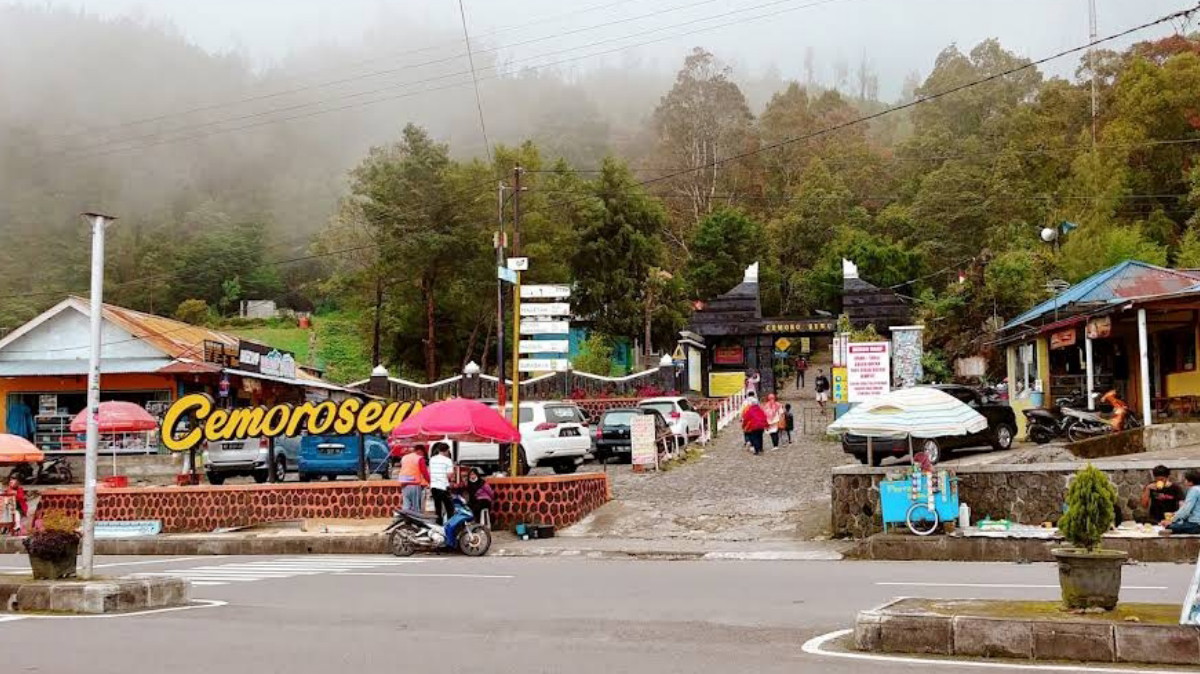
pixel 921 501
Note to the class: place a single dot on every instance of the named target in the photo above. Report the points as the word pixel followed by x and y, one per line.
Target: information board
pixel 641 438
pixel 868 370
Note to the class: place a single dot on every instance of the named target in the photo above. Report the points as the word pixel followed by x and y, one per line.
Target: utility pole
pixel 99 222
pixel 501 389
pixel 1092 67
pixel 514 459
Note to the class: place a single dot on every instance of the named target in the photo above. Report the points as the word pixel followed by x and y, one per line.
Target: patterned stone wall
pixel 1026 494
pixel 558 500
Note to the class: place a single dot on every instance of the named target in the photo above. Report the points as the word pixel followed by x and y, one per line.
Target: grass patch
pixel 343 352
pixel 1150 614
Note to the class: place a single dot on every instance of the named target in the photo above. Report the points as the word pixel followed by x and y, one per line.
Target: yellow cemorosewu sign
pixel 214 424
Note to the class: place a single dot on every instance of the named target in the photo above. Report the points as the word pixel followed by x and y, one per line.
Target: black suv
pixel 1002 428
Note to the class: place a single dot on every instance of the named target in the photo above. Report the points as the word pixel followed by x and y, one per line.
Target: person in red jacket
pixel 754 422
pixel 17 493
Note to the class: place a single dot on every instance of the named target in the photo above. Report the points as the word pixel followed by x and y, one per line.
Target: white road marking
pixel 420 575
pixel 157 561
pixel 288 567
pixel 815 646
pixel 1008 586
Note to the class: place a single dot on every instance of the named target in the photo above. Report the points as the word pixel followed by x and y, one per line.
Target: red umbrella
pixel 15 449
pixel 117 417
pixel 460 420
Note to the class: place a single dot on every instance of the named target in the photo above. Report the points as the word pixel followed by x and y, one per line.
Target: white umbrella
pixel 919 412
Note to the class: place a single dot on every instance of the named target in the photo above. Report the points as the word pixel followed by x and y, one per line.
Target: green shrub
pixel 1091 500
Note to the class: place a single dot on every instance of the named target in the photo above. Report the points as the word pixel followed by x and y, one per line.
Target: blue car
pixel 334 455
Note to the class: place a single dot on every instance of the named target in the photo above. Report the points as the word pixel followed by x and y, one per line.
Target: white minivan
pixel 553 434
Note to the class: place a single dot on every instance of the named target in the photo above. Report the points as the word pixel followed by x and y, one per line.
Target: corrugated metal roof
pixel 174 338
pixel 79 366
pixel 1126 280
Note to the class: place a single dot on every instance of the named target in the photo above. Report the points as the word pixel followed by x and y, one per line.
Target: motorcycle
pixel 55 471
pixel 411 531
pixel 1045 425
pixel 1091 425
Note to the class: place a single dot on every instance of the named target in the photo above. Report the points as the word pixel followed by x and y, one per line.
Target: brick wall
pixel 1026 494
pixel 558 500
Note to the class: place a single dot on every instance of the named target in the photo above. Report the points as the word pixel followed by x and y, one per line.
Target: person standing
pixel 414 475
pixel 821 385
pixel 774 412
pixel 20 503
pixel 789 422
pixel 754 422
pixel 801 368
pixel 1187 518
pixel 752 380
pixel 441 467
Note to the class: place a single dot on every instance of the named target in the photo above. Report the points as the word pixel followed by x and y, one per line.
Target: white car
pixel 684 420
pixel 553 434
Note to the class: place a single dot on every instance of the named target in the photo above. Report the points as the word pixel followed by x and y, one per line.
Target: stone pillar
pixel 470 386
pixel 666 373
pixel 380 384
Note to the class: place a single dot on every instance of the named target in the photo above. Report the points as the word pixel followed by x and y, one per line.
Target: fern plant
pixel 1091 500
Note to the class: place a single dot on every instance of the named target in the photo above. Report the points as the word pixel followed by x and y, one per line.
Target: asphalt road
pixel 315 614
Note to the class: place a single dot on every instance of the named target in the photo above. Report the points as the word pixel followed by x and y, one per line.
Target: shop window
pixel 1178 349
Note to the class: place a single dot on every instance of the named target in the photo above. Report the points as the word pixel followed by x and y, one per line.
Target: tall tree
pixel 619 248
pixel 726 242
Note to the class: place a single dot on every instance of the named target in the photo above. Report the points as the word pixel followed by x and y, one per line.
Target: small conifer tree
pixel 1091 500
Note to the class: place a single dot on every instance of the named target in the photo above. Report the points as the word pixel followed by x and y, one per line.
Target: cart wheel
pixel 921 520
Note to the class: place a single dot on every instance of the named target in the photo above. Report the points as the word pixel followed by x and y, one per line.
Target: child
pixel 789 422
pixel 20 503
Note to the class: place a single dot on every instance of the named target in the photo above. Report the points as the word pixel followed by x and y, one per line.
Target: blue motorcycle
pixel 411 531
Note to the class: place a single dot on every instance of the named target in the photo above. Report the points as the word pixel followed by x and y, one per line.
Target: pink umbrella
pixel 15 449
pixel 117 417
pixel 460 420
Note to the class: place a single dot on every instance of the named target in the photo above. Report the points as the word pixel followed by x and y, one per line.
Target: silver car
pixel 250 457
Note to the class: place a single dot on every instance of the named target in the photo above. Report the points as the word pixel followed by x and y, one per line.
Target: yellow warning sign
pixel 783 343
pixel 678 355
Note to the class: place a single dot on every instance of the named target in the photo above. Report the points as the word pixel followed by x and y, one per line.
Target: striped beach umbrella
pixel 918 412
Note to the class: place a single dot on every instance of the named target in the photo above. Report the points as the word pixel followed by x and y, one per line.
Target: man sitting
pixel 1161 496
pixel 1187 518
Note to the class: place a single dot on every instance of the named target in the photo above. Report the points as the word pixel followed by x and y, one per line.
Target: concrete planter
pixel 1090 579
pixel 54 568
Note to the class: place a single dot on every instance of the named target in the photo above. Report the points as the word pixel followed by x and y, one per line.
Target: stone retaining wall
pixel 559 500
pixel 1028 494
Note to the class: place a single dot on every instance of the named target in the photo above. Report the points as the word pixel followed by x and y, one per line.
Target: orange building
pixel 145 359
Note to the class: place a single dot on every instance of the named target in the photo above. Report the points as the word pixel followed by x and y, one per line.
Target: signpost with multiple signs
pixel 547 321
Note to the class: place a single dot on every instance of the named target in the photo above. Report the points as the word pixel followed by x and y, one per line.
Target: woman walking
pixel 774 412
pixel 754 422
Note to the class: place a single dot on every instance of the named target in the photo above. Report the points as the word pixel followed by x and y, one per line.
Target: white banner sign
pixel 544 346
pixel 868 370
pixel 641 438
pixel 545 292
pixel 545 327
pixel 546 309
pixel 518 263
pixel 543 364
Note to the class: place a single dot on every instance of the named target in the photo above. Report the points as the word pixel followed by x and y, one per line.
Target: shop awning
pixel 306 383
pixel 79 366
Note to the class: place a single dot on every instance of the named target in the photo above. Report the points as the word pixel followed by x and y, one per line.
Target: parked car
pixel 613 433
pixel 250 457
pixel 553 434
pixel 684 420
pixel 332 456
pixel 999 434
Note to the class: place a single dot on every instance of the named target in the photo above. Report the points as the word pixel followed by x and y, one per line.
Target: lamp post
pixel 99 222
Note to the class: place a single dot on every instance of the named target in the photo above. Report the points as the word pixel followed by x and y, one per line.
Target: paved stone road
pixel 727 494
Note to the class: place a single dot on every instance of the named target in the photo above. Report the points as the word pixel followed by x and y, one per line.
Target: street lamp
pixel 99 222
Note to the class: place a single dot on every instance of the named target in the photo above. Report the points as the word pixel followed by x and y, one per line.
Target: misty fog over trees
pixel 338 176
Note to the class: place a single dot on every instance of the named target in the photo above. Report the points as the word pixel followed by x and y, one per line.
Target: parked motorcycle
pixel 1046 425
pixel 411 531
pixel 1091 425
pixel 55 471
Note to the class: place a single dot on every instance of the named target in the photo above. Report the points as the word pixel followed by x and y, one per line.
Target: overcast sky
pixel 896 36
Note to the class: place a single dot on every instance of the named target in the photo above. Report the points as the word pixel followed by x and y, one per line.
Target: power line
pixel 462 13
pixel 156 140
pixel 277 94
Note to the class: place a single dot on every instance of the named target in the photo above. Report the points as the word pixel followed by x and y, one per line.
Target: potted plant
pixel 53 546
pixel 1089 576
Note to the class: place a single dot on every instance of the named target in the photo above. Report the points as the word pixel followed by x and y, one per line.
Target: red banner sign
pixel 728 355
